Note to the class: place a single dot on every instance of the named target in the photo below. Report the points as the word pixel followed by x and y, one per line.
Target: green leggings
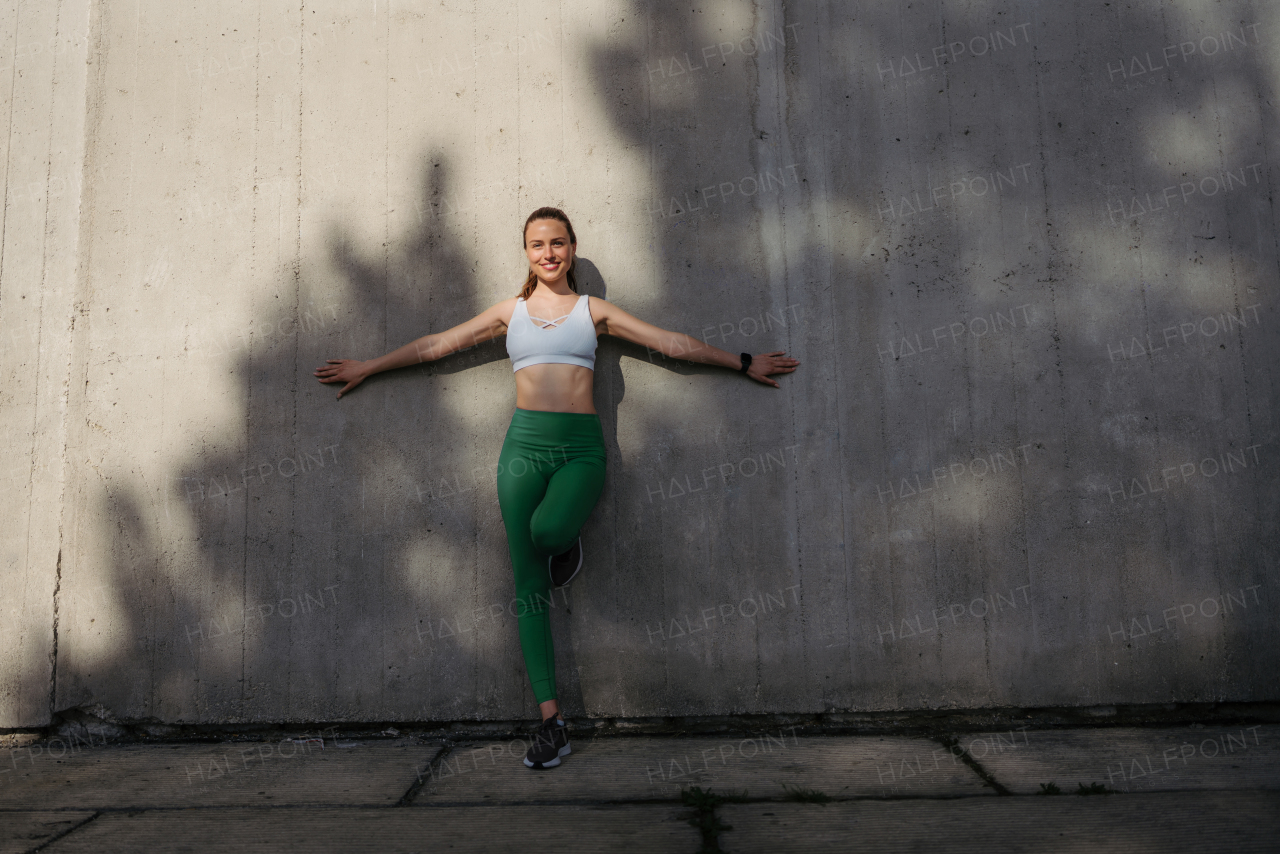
pixel 550 474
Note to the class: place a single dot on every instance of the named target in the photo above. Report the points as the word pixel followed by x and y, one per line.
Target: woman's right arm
pixel 485 326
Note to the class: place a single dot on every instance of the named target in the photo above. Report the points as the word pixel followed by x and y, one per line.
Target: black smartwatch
pixel 746 363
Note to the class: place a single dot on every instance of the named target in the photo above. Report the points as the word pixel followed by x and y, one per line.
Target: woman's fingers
pixel 352 384
pixel 782 366
pixel 333 369
pixel 770 364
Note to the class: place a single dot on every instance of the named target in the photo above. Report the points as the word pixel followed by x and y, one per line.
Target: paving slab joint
pixel 421 780
pixel 70 830
pixel 952 743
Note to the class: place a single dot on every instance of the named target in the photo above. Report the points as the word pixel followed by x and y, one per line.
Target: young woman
pixel 551 469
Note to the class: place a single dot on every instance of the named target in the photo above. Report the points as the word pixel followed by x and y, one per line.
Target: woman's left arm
pixel 678 345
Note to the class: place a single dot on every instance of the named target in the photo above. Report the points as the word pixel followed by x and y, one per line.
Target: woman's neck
pixel 544 288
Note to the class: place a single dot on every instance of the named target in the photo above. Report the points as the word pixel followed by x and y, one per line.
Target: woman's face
pixel 546 241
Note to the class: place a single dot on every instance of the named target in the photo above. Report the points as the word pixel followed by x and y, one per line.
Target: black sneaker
pixel 550 742
pixel 565 566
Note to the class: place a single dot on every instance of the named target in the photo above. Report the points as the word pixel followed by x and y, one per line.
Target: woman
pixel 551 469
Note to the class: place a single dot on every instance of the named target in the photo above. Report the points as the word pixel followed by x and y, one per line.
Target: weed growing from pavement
pixel 1092 789
pixel 1095 789
pixel 705 818
pixel 805 796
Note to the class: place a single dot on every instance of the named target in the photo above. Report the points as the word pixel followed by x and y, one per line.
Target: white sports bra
pixel 569 340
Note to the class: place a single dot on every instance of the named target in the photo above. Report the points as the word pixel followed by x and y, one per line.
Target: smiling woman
pixel 552 465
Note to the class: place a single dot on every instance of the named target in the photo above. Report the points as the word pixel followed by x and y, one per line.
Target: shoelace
pixel 547 729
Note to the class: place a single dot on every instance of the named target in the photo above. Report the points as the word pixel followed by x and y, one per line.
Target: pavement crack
pixel 953 744
pixel 416 786
pixel 704 816
pixel 53 652
pixel 63 834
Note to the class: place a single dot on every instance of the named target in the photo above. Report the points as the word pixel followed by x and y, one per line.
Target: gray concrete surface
pixel 303 772
pixel 1026 253
pixel 1133 759
pixel 568 828
pixel 24 831
pixel 465 795
pixel 1182 821
pixel 764 765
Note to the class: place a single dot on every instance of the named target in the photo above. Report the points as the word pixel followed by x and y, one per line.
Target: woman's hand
pixel 349 371
pixel 767 364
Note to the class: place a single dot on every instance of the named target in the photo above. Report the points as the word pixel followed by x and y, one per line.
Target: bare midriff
pixel 555 387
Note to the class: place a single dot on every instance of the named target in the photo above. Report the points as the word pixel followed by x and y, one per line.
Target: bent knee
pixel 552 539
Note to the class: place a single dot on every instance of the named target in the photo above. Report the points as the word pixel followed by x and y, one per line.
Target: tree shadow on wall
pixel 875 261
pixel 259 584
pixel 322 532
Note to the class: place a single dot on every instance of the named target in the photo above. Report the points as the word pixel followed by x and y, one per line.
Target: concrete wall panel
pixel 1027 257
pixel 42 120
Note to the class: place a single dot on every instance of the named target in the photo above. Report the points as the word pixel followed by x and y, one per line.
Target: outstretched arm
pixel 485 326
pixel 681 346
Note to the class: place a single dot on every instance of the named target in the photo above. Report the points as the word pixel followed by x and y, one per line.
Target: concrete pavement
pixel 1176 788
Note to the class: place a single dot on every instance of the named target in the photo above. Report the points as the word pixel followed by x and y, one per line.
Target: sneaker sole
pixel 564 751
pixel 576 569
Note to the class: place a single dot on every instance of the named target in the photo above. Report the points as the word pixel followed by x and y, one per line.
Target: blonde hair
pixel 549 213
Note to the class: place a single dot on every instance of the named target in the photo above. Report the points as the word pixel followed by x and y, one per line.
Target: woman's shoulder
pixel 504 306
pixel 502 310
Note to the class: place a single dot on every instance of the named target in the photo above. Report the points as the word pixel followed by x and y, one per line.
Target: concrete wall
pixel 1025 252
